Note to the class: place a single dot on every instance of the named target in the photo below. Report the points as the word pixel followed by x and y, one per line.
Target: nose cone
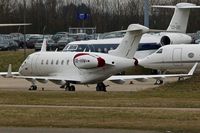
pixel 21 70
pixel 24 69
pixel 143 62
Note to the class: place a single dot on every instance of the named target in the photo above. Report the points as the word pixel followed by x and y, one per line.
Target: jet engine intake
pixel 165 40
pixel 175 38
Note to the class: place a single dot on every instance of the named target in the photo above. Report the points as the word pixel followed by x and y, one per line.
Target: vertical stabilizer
pixel 180 17
pixel 129 43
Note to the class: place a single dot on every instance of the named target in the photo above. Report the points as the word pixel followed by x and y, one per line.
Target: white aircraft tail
pixel 44 46
pixel 129 43
pixel 180 18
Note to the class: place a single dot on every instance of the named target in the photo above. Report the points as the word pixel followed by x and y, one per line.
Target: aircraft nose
pixel 143 62
pixel 23 69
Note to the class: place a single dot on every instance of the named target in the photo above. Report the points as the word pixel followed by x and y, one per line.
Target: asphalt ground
pixel 67 130
pixel 23 85
pixel 11 84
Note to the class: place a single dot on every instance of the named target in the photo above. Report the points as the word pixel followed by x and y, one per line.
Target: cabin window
pixel 42 62
pixel 47 62
pixel 52 62
pixel 72 47
pixel 62 62
pixel 57 62
pixel 105 50
pixel 159 51
pixel 67 62
pixel 99 50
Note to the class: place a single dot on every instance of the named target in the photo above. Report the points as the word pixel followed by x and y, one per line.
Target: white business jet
pixel 65 68
pixel 173 57
pixel 149 43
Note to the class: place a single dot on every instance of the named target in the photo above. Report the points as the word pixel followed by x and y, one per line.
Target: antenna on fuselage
pixel 44 46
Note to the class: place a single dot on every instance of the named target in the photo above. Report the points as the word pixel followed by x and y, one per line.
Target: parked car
pixel 50 45
pixel 19 38
pixel 32 40
pixel 63 42
pixel 79 36
pixel 56 37
pixel 8 45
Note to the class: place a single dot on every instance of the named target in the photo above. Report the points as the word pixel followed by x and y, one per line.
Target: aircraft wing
pixel 142 78
pixel 6 73
pixel 45 79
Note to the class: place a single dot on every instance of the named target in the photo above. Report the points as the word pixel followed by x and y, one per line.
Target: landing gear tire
pixel 158 82
pixel 180 78
pixel 70 88
pixel 101 87
pixel 33 87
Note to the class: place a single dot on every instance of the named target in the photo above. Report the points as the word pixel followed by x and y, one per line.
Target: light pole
pixel 146 13
pixel 24 28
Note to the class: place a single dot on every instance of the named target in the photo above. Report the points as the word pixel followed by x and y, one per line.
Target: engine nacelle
pixel 88 61
pixel 42 81
pixel 58 82
pixel 175 38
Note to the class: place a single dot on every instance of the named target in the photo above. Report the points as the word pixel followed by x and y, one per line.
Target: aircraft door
pixel 177 57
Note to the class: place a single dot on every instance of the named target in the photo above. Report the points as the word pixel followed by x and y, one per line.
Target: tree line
pixel 51 16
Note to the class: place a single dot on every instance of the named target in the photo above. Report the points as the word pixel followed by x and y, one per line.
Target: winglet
pixel 9 74
pixel 191 72
pixel 44 46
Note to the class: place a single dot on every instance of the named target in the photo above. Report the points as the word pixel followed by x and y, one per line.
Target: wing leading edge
pixel 120 79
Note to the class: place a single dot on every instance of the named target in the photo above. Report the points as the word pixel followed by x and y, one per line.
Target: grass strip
pixel 162 120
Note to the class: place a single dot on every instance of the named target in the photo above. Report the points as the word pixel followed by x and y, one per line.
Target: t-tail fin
pixel 129 43
pixel 180 18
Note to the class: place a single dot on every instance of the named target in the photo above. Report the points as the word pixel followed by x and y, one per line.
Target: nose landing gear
pixel 33 87
pixel 158 82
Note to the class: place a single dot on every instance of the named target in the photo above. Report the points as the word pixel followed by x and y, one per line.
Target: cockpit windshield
pixel 148 46
pixel 159 51
pixel 77 48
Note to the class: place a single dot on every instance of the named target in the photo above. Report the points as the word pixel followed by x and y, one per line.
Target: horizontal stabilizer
pixel 179 6
pixel 158 6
